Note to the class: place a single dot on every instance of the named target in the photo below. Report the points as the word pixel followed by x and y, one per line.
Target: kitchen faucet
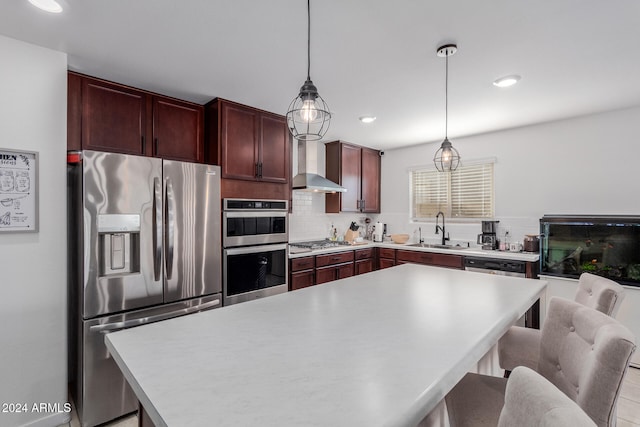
pixel 444 237
pixel 420 240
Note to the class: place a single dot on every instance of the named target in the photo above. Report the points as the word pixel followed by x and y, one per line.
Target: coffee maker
pixel 489 239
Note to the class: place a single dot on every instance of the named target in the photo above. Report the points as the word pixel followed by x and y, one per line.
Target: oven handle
pixel 255 249
pixel 255 214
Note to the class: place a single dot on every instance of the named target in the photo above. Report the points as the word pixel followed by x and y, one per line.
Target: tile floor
pixel 628 405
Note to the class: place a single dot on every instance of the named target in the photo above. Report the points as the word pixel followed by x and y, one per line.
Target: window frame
pixel 448 192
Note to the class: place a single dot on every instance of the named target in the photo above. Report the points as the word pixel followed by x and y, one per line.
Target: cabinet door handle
pixel 260 170
pixel 358 204
pixel 363 204
pixel 155 147
pixel 257 171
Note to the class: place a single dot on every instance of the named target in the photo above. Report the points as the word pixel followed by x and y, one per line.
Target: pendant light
pixel 308 115
pixel 446 158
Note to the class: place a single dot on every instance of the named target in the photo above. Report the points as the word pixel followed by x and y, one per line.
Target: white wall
pixel 33 279
pixel 584 165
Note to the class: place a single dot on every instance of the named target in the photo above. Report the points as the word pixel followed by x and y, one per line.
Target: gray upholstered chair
pixel 583 352
pixel 520 346
pixel 530 400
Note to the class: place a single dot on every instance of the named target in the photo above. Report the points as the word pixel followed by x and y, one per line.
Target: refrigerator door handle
pixel 169 232
pixel 157 229
pixel 116 326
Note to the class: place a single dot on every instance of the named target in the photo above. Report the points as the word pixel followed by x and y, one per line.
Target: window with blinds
pixel 465 193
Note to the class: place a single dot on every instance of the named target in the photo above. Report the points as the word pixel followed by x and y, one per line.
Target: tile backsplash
pixel 308 220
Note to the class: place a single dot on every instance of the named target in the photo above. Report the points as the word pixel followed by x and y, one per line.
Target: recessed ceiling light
pixel 367 119
pixel 507 81
pixel 51 6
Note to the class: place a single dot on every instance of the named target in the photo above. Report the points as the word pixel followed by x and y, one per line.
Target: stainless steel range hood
pixel 308 178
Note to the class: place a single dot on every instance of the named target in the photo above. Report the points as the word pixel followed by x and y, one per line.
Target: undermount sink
pixel 436 246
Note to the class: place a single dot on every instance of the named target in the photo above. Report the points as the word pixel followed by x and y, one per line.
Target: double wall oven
pixel 255 235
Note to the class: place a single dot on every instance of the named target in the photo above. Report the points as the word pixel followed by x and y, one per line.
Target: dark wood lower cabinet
pixel 302 279
pixel 302 272
pixel 334 272
pixel 386 258
pixel 365 260
pixel 364 266
pixel 430 258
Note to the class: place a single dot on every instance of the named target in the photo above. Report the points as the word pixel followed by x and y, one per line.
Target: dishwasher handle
pixel 116 326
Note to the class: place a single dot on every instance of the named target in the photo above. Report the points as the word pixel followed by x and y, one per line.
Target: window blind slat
pixel 467 192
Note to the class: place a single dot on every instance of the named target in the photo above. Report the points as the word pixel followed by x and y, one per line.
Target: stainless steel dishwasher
pixel 505 267
pixel 501 267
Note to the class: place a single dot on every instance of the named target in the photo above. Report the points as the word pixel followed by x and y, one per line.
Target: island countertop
pixel 379 349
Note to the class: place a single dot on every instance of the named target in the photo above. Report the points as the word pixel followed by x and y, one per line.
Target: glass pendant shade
pixel 446 158
pixel 308 115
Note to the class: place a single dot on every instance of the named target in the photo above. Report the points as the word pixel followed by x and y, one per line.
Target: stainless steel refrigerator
pixel 144 246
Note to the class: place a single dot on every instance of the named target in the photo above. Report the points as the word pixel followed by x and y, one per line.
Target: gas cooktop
pixel 318 244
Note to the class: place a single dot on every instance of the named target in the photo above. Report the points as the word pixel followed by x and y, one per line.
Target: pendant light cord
pixel 308 39
pixel 446 96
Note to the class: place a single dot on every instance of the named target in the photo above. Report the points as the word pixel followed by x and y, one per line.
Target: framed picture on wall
pixel 18 191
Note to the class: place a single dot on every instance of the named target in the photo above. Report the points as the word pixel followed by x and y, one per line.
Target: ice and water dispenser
pixel 119 244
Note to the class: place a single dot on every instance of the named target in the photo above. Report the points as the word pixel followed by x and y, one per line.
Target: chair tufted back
pixel 532 401
pixel 599 293
pixel 585 354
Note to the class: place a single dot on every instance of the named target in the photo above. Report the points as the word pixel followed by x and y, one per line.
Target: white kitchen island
pixel 379 349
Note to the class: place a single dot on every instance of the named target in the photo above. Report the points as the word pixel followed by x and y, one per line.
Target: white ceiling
pixel 368 57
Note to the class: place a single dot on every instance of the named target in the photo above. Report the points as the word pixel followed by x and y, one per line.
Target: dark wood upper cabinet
pixel 274 148
pixel 107 116
pixel 252 147
pixel 358 170
pixel 178 130
pixel 113 118
pixel 251 144
pixel 370 183
pixel 239 149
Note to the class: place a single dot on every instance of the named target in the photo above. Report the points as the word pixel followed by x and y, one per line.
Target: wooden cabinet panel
pixel 107 116
pixel 74 112
pixel 344 271
pixel 385 263
pixel 430 258
pixel 370 183
pixel 239 147
pixel 350 178
pixel 113 117
pixel 253 149
pixel 358 170
pixel 386 258
pixel 334 272
pixel 334 258
pixel 303 263
pixel 302 279
pixel 274 149
pixel 364 253
pixel 387 253
pixel 364 266
pixel 325 274
pixel 178 130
